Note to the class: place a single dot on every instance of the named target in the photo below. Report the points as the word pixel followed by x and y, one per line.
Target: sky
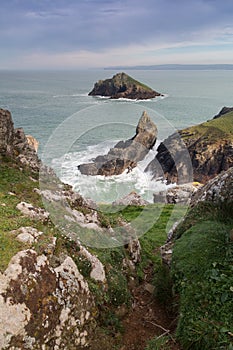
pixel 77 34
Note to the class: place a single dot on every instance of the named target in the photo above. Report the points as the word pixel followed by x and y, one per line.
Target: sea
pixel 73 128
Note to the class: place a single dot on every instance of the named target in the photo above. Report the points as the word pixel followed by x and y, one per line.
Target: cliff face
pixel 125 154
pixel 122 85
pixel 52 288
pixel 14 142
pixel 6 132
pixel 209 146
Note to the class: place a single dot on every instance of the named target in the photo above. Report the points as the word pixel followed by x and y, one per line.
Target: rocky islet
pixel 121 85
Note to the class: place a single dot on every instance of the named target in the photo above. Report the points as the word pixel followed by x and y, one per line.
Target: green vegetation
pixel 215 129
pixel 202 269
pixel 159 344
pixel 202 272
pixel 16 185
pixel 126 79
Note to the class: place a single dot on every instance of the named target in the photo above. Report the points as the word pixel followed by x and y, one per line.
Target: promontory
pixel 121 85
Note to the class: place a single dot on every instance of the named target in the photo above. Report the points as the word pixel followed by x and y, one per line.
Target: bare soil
pixel 147 319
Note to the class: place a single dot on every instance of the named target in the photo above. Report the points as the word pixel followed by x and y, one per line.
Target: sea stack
pixel 125 154
pixel 122 85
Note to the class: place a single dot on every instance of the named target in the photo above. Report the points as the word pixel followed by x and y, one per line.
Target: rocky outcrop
pixel 43 307
pixel 218 189
pixel 32 142
pixel 6 132
pixel 28 210
pixel 205 149
pixel 14 143
pixel 172 161
pixel 223 111
pixel 125 154
pixel 178 194
pixel 122 85
pixel 133 198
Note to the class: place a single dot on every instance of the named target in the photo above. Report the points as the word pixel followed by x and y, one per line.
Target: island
pixel 121 85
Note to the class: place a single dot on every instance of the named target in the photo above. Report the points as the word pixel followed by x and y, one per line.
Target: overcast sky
pixel 100 33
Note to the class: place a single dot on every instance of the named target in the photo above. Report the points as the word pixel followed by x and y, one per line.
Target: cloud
pixel 57 28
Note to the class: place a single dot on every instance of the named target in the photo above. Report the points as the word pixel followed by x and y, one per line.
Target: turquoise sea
pixel 73 127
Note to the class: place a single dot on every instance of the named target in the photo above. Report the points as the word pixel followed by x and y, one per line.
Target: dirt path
pixel 147 319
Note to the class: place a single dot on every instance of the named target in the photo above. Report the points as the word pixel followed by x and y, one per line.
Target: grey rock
pixel 125 154
pixel 43 305
pixel 218 189
pixel 133 198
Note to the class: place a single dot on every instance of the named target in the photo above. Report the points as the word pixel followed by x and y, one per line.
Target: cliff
pixel 14 143
pixel 125 154
pixel 122 85
pixel 55 293
pixel 209 147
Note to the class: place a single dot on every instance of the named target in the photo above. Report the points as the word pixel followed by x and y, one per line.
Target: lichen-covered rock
pixel 34 143
pixel 180 194
pixel 6 132
pixel 219 189
pixel 15 144
pixel 121 85
pixel 27 235
pixel 125 154
pixel 27 209
pixel 133 198
pixel 97 268
pixel 134 248
pixel 42 307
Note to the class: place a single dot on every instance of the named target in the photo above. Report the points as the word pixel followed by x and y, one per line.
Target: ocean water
pixel 73 127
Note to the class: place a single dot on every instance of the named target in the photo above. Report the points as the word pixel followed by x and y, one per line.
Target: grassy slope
pixel 202 265
pixel 131 81
pixel 214 129
pixel 202 270
pixel 17 185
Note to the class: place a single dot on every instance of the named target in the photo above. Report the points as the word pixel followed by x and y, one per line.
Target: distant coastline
pixel 175 67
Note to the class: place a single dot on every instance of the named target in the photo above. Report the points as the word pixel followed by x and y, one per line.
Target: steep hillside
pixel 209 146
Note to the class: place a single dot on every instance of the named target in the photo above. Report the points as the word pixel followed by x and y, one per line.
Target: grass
pixel 151 226
pixel 215 129
pixel 202 271
pixel 15 186
pixel 202 267
pixel 129 80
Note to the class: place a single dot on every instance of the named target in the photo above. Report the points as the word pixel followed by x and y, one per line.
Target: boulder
pixel 197 153
pixel 122 85
pixel 43 307
pixel 125 154
pixel 178 194
pixel 28 210
pixel 27 234
pixel 133 198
